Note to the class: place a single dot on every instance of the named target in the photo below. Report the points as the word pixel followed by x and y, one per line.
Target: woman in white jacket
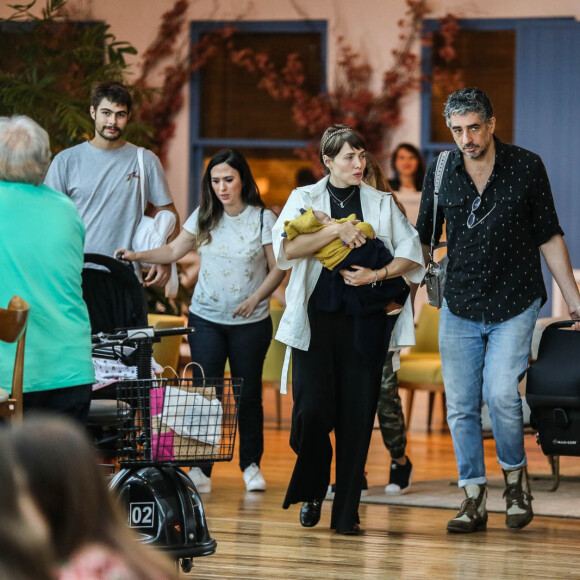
pixel 336 378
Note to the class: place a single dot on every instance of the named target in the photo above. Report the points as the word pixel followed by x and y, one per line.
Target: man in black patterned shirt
pixel 497 205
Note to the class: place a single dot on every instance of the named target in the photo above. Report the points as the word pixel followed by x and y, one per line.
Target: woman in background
pixel 389 408
pixel 409 170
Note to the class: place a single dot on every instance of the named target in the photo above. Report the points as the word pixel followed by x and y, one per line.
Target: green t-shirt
pixel 41 260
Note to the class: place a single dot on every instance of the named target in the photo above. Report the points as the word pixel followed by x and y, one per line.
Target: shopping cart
pixel 164 425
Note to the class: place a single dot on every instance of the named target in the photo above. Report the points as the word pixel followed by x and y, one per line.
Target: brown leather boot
pixel 518 499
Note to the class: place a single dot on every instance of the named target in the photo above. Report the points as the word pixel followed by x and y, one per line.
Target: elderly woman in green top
pixel 41 260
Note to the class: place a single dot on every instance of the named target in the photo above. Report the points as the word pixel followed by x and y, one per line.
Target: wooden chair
pixel 13 322
pixel 421 368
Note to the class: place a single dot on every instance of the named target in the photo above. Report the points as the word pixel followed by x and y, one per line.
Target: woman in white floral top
pixel 230 309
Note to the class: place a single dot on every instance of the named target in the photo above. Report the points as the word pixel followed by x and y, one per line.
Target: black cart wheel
pixel 186 564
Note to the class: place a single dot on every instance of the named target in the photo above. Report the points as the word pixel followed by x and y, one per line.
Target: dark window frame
pixel 197 144
pixel 431 148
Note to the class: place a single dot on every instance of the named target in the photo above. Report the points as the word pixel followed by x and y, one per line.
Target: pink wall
pixel 369 25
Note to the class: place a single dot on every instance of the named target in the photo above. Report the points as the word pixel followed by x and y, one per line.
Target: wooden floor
pixel 258 539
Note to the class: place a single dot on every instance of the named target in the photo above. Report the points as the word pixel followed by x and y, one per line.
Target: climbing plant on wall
pixel 48 64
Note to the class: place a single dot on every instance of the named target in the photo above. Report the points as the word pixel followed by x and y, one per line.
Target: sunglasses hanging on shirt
pixel 472 221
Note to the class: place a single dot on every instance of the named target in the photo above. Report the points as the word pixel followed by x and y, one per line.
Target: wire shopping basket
pixel 178 421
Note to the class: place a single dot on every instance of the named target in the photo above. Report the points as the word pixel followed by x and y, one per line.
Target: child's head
pixel 67 484
pixel 24 536
pixel 322 217
pixel 65 480
pixel 307 222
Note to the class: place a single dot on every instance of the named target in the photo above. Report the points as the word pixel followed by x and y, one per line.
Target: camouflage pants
pixel 390 411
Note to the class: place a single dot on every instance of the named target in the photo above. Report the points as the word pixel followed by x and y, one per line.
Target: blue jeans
pixel 245 345
pixel 484 362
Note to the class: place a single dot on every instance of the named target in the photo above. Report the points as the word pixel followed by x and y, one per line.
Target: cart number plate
pixel 141 514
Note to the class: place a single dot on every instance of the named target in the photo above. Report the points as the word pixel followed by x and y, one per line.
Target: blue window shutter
pixel 547 116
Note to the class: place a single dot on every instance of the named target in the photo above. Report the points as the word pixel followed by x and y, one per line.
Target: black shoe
pixel 400 478
pixel 310 513
pixel 354 531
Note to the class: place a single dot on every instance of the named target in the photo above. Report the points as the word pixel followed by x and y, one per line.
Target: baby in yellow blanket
pixel 336 256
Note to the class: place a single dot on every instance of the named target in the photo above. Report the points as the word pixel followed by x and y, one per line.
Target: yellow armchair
pixel 274 360
pixel 421 368
pixel 166 352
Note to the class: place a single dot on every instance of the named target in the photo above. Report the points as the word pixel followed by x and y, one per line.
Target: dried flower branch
pixel 448 78
pixel 352 101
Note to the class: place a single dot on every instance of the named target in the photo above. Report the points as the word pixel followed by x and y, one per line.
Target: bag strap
pixel 262 229
pixel 141 176
pixel 439 169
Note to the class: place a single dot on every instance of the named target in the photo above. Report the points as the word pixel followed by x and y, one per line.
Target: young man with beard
pixel 102 177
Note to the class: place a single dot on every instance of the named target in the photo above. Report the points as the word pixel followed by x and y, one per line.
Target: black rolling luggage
pixel 553 390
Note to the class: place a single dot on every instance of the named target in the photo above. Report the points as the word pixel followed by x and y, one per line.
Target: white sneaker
pixel 254 479
pixel 201 481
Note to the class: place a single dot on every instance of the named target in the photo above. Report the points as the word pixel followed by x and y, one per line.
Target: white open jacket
pixel 390 225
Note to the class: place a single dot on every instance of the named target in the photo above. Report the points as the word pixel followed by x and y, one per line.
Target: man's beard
pixel 110 136
pixel 479 152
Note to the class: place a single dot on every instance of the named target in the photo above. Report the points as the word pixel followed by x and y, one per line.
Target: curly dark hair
pixel 468 100
pixel 114 92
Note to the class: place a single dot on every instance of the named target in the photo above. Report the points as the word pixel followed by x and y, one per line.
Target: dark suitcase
pixel 553 390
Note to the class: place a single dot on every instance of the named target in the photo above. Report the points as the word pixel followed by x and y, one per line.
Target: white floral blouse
pixel 233 265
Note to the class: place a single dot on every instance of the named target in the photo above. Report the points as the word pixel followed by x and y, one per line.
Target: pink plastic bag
pixel 161 443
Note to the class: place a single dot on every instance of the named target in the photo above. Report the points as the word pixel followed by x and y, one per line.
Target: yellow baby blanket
pixel 333 253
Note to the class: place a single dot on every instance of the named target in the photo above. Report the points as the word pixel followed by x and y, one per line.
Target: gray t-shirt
pixel 105 188
pixel 233 265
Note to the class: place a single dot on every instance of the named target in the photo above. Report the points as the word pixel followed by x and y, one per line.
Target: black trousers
pixel 334 388
pixel 246 346
pixel 72 401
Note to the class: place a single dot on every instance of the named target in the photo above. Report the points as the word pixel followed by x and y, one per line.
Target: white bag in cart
pixel 192 415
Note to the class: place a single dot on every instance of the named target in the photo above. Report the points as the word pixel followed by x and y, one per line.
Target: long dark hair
pixel 24 556
pixel 375 177
pixel 211 208
pixel 419 174
pixel 66 483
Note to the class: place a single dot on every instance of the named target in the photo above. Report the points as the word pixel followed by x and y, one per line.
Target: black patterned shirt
pixel 494 270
